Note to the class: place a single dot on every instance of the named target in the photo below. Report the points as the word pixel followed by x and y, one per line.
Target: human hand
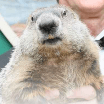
pixel 87 92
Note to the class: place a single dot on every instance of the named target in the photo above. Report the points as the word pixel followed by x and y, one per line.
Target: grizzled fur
pixel 63 56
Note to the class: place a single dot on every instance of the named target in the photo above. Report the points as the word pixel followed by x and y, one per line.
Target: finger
pixel 86 92
pixel 51 94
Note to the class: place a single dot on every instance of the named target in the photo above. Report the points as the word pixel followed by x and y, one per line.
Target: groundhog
pixel 55 51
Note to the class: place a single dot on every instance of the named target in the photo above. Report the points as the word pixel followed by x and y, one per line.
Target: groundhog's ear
pixel 29 19
pixel 73 13
pixel 76 13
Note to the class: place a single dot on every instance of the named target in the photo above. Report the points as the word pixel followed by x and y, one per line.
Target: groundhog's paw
pixel 99 85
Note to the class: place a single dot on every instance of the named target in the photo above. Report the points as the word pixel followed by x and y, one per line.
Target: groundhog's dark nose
pixel 48 28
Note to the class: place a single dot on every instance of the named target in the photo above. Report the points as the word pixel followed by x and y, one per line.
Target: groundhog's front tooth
pixel 51 37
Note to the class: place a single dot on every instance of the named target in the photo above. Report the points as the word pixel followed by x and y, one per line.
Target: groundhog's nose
pixel 48 23
pixel 48 27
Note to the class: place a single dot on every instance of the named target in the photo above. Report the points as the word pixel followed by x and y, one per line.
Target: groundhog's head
pixel 54 28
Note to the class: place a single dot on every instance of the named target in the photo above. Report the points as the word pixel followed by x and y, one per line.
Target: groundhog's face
pixel 53 27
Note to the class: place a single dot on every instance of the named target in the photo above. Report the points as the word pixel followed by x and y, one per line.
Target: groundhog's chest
pixel 68 73
pixel 55 75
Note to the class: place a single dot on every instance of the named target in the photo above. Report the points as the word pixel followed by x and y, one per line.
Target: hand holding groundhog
pixel 55 51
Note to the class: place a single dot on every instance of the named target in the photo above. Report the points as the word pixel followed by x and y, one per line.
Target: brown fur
pixel 61 67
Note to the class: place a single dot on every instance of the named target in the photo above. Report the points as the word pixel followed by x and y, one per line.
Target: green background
pixel 4 44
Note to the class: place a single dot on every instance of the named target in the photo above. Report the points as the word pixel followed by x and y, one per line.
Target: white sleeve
pixel 100 35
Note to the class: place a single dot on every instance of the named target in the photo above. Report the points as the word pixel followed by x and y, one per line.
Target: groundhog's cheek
pixel 64 33
pixel 39 39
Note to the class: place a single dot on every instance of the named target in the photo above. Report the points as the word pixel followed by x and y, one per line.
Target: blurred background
pixel 17 11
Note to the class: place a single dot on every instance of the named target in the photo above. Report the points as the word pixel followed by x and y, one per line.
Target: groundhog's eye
pixel 32 18
pixel 64 13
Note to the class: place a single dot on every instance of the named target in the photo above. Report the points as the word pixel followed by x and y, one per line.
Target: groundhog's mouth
pixel 52 41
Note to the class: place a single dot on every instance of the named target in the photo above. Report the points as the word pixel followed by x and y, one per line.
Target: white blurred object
pixel 8 32
pixel 100 35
